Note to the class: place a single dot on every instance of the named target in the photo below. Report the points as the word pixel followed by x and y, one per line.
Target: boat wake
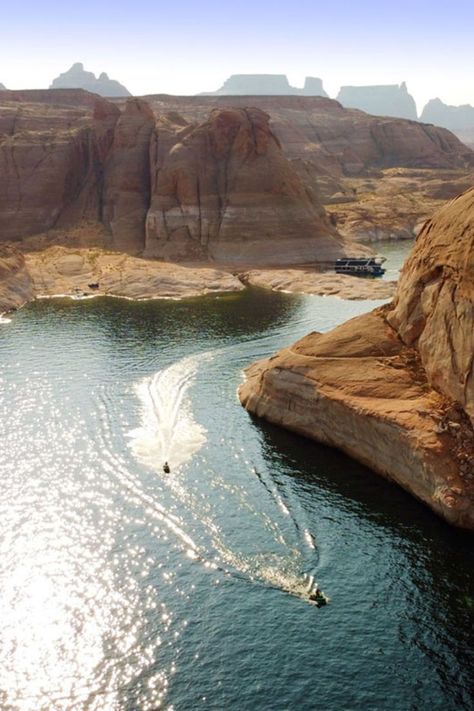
pixel 168 431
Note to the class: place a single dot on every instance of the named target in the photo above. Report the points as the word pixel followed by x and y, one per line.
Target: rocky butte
pixel 77 78
pixel 383 100
pixel 459 119
pixel 394 388
pixel 268 84
pixel 241 184
pixel 225 190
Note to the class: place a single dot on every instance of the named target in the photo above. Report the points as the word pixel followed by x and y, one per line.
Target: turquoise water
pixel 126 588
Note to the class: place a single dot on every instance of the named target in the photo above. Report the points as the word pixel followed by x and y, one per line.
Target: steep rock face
pixel 434 307
pixel 224 189
pixel 77 78
pixel 336 140
pixel 16 286
pixel 383 100
pixel 394 388
pixel 268 84
pixel 51 159
pixel 452 117
pixel 127 177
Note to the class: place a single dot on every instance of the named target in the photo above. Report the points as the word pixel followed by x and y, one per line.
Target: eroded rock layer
pixel 434 306
pixel 394 388
pixel 16 285
pixel 225 190
pixel 206 177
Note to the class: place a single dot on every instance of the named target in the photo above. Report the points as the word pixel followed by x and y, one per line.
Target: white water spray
pixel 168 431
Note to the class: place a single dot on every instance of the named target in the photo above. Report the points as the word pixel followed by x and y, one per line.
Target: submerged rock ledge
pixel 394 388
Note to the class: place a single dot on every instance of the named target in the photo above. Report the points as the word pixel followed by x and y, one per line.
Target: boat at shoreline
pixel 360 266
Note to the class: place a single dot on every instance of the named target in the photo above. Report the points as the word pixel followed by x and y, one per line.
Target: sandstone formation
pixel 306 281
pixel 393 205
pixel 77 78
pixel 63 271
pixel 452 117
pixel 394 388
pixel 434 307
pixel 338 141
pixel 16 287
pixel 47 269
pixel 51 159
pixel 225 190
pixel 269 84
pixel 384 100
pixel 127 177
pixel 226 179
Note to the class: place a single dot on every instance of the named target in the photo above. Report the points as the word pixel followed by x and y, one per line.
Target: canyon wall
pixel 338 141
pixel 225 189
pixel 394 388
pixel 198 177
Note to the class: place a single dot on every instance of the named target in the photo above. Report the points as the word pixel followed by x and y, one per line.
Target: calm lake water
pixel 126 588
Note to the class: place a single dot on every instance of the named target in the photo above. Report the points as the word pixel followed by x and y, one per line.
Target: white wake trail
pixel 168 431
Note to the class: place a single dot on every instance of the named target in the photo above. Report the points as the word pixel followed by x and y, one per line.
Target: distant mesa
pixel 382 100
pixel 268 84
pixel 452 117
pixel 77 78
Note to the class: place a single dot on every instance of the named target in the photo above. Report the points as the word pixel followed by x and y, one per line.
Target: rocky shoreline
pixel 394 388
pixel 58 270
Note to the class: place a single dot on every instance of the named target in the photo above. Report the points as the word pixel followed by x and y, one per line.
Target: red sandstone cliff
pixel 127 177
pixel 53 146
pixel 394 388
pixel 214 183
pixel 225 190
pixel 337 140
pixel 434 306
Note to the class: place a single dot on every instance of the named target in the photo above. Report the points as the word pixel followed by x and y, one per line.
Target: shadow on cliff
pixel 331 473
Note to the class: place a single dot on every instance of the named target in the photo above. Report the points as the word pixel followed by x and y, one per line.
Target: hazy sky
pixel 186 47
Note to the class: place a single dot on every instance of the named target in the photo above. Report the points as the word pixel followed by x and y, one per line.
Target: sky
pixel 187 47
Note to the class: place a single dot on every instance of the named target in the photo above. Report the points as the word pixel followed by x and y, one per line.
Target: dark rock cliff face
pixel 127 177
pixel 451 117
pixel 77 78
pixel 384 100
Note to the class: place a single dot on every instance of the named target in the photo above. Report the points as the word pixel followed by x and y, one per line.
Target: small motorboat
pixel 166 468
pixel 318 598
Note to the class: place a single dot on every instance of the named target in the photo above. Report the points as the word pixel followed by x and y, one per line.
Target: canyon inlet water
pixel 123 587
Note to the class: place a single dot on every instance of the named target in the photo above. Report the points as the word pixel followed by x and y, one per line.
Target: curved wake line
pixel 168 431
